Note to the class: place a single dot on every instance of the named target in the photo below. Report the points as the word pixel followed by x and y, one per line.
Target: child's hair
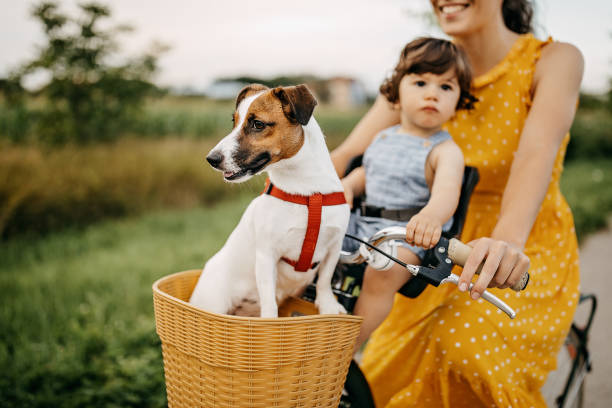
pixel 435 56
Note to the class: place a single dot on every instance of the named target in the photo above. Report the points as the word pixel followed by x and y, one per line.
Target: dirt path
pixel 596 277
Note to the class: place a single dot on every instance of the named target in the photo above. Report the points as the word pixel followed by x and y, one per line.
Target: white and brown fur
pixel 274 131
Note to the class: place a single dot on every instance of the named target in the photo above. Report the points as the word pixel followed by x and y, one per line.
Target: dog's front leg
pixel 325 300
pixel 265 278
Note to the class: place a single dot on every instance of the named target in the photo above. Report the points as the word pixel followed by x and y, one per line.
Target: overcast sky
pixel 360 38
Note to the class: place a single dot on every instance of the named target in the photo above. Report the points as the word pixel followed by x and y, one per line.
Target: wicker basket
pixel 213 360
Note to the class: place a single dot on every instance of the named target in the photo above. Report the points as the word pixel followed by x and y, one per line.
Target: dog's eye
pixel 258 124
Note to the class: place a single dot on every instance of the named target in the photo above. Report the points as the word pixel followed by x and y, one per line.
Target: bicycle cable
pixel 405 265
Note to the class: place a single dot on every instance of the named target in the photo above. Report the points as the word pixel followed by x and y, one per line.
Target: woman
pixel 443 348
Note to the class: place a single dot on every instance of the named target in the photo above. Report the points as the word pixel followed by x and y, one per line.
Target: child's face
pixel 428 100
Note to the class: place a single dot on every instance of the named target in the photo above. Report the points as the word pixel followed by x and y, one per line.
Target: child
pixel 411 172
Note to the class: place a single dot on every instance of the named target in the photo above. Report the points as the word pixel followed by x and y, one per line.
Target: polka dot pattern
pixel 443 349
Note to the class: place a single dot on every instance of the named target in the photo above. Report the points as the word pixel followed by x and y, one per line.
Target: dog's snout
pixel 215 159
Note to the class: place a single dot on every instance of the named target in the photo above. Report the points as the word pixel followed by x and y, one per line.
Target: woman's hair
pixel 518 15
pixel 435 56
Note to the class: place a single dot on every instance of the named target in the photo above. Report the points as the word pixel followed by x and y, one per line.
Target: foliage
pixel 592 102
pixel 87 98
pixel 591 135
pixel 43 190
pixel 587 188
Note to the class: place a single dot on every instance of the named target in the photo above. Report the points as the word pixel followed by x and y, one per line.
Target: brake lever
pixel 486 295
pixel 441 273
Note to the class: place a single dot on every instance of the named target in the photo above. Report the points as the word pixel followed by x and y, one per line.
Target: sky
pixel 359 38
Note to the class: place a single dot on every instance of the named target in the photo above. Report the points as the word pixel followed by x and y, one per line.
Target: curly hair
pixel 435 56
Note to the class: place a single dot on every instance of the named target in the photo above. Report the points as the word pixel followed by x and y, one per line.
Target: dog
pixel 256 269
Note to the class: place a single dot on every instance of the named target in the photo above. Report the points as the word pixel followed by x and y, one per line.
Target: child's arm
pixel 446 162
pixel 354 184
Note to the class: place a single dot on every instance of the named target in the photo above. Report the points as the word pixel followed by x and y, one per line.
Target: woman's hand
pixel 504 265
pixel 423 230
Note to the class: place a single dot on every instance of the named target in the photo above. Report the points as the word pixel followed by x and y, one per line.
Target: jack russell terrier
pixel 293 230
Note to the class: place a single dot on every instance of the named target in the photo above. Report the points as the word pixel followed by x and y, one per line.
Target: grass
pixel 76 316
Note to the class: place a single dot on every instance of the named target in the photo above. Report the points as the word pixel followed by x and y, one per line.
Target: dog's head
pixel 267 128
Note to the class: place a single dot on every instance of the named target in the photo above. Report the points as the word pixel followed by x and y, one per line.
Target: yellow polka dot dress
pixel 443 349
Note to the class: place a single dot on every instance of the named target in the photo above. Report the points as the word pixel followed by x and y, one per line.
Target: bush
pixel 586 186
pixel 42 190
pixel 87 99
pixel 591 135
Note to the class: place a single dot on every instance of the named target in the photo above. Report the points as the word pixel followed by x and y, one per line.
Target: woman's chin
pixel 457 24
pixel 455 28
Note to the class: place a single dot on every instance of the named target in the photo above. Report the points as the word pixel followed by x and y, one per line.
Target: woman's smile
pixel 452 8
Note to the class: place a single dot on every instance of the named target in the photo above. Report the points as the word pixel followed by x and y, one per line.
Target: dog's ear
pixel 248 90
pixel 297 101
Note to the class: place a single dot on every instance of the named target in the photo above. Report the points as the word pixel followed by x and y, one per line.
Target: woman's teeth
pixel 453 8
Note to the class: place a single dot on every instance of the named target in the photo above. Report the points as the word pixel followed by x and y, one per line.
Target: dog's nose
pixel 215 159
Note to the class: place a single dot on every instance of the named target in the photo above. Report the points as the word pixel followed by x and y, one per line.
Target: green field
pixel 76 315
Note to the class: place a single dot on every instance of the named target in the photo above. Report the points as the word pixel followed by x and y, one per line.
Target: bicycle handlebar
pixel 447 252
pixel 458 252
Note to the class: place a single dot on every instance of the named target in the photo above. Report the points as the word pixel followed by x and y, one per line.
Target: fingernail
pixel 475 295
pixel 462 286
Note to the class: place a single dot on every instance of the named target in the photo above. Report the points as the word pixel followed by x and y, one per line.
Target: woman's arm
pixel 380 116
pixel 555 92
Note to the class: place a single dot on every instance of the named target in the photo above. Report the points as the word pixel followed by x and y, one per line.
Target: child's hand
pixel 348 192
pixel 423 230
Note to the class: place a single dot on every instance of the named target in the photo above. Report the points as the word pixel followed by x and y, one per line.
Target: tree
pixel 87 97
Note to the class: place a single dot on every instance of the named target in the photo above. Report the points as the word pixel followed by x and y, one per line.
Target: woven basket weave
pixel 213 360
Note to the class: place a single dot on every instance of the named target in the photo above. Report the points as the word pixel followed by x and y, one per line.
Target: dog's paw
pixel 329 306
pixel 269 312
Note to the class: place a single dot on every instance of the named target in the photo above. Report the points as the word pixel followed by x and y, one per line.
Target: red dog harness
pixel 315 203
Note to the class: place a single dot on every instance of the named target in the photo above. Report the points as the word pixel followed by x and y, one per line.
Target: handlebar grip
pixel 458 252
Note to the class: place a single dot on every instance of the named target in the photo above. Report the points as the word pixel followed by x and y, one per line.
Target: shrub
pixel 87 99
pixel 591 135
pixel 49 189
